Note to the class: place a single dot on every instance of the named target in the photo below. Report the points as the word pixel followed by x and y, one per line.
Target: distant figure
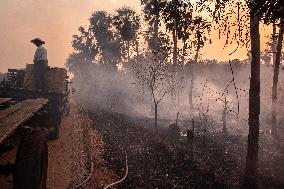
pixel 40 65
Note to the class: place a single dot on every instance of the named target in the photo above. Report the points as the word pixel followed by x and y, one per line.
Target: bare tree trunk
pixel 197 54
pixel 174 66
pixel 175 40
pixel 224 117
pixel 190 94
pixel 275 79
pixel 178 99
pixel 128 49
pixel 193 77
pixel 274 43
pixel 156 117
pixel 156 32
pixel 175 49
pixel 156 43
pixel 137 51
pixel 193 128
pixel 183 52
pixel 250 177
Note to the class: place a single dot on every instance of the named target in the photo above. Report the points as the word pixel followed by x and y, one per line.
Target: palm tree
pixel 171 18
pixel 127 23
pixel 152 10
pixel 184 29
pixel 107 43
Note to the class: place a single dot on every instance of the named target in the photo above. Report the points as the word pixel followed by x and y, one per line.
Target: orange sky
pixel 56 21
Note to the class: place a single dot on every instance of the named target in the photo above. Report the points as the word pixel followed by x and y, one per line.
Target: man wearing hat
pixel 40 65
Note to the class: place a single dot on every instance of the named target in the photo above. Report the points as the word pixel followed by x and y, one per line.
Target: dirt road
pixel 76 157
pixel 69 160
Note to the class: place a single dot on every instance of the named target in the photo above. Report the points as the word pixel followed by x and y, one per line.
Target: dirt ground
pixel 70 156
pixel 77 156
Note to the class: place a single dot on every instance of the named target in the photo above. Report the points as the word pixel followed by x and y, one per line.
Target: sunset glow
pixel 56 22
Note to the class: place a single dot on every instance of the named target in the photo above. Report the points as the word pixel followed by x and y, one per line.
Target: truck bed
pixel 13 117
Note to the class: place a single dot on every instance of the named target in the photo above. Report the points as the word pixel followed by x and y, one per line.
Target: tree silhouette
pixel 163 42
pixel 155 74
pixel 200 28
pixel 152 13
pixel 86 51
pixel 74 63
pixel 275 77
pixel 185 28
pixel 127 22
pixel 107 41
pixel 250 178
pixel 173 14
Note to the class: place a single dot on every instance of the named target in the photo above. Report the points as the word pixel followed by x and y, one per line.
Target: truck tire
pixel 31 161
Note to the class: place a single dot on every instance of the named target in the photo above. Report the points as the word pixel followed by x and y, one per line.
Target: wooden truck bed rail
pixel 4 100
pixel 13 117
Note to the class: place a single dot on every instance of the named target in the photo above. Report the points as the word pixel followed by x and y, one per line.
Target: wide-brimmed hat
pixel 37 40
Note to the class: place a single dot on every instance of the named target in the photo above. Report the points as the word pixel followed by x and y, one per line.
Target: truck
pixel 28 119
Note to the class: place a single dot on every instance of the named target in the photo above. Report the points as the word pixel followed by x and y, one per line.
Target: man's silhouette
pixel 40 65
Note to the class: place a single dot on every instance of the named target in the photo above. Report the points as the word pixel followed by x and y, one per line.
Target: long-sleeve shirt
pixel 40 54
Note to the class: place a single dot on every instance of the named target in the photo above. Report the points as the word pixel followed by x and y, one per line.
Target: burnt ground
pixel 159 162
pixel 154 162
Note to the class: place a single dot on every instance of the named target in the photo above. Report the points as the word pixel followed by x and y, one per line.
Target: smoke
pixel 100 88
pixel 107 89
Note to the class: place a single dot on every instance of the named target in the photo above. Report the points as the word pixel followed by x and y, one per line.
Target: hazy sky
pixel 56 21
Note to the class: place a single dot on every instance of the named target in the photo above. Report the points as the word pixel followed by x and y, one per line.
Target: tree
pixel 152 10
pixel 275 78
pixel 269 10
pixel 274 43
pixel 163 42
pixel 74 62
pixel 172 15
pixel 85 52
pixel 108 43
pixel 250 179
pixel 127 22
pixel 200 27
pixel 224 113
pixel 184 30
pixel 155 74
